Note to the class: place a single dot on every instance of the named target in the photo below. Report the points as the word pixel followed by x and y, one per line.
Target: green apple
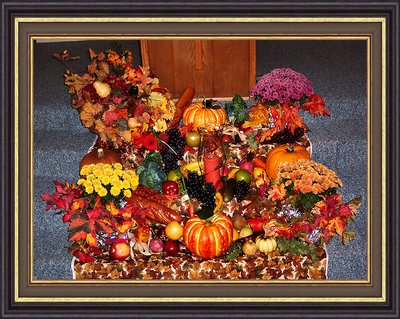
pixel 192 139
pixel 243 175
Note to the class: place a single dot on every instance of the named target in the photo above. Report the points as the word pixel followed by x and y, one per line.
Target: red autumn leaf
pixel 84 258
pixel 110 117
pixel 66 217
pixel 80 235
pixel 159 90
pixel 104 227
pixel 77 223
pixel 94 213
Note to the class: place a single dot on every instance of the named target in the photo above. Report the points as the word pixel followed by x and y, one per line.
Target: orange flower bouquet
pixel 309 209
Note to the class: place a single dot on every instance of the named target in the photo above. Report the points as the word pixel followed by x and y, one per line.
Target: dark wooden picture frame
pixel 22 297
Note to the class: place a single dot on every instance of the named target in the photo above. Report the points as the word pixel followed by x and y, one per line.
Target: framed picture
pixel 350 55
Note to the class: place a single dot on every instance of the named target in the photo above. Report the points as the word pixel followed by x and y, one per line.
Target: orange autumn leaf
pixel 126 225
pixel 91 240
pixel 267 134
pixel 77 204
pixel 76 223
pixel 88 113
pixel 112 209
pixel 292 118
pixel 277 192
pixel 336 224
pixel 80 235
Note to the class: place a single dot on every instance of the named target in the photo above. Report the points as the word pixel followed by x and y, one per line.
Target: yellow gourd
pixel 265 244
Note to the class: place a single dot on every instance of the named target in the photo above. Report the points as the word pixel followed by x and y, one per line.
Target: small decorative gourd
pixel 265 244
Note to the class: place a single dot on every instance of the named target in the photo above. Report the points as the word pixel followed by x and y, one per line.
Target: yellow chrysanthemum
pixel 87 184
pixel 89 190
pixel 106 166
pixel 115 191
pixel 102 192
pixel 98 172
pixel 127 193
pixel 96 183
pixel 107 171
pixel 90 177
pixel 81 181
pixel 118 172
pixel 117 184
pixel 117 165
pixel 105 180
pixel 126 184
pixel 114 179
pixel 126 176
pixel 85 170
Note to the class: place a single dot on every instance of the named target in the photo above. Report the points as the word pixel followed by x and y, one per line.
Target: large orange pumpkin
pixel 202 116
pixel 208 238
pixel 284 154
pixel 100 155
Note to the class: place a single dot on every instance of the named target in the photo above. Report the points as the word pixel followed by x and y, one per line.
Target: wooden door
pixel 215 68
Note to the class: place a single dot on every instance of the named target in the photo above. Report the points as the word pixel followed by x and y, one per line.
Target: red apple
pixel 256 224
pixel 248 166
pixel 171 247
pixel 120 249
pixel 156 245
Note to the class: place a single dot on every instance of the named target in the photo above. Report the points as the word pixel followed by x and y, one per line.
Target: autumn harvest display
pixel 192 188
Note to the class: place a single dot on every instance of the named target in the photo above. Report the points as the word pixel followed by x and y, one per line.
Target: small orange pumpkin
pixel 208 238
pixel 202 116
pixel 284 154
pixel 100 155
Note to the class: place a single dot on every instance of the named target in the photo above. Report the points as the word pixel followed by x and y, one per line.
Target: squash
pixel 208 238
pixel 100 155
pixel 204 117
pixel 265 244
pixel 284 154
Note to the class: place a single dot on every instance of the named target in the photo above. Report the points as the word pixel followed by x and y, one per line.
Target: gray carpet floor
pixel 338 72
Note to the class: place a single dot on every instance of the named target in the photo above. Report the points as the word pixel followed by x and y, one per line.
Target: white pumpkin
pixel 266 244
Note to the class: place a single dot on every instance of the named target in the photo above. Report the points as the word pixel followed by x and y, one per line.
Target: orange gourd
pixel 208 238
pixel 204 117
pixel 100 155
pixel 284 154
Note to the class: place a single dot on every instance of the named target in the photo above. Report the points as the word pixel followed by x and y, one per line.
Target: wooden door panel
pixel 215 68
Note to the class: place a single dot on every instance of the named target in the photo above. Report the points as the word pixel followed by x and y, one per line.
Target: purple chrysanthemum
pixel 282 85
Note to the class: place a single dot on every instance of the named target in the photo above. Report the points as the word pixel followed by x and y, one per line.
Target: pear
pixel 245 232
pixel 102 89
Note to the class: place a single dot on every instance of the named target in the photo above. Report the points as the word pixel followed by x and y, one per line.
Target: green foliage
pixel 307 201
pixel 296 247
pixel 251 141
pixel 237 109
pixel 348 235
pixel 150 172
pixel 234 251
